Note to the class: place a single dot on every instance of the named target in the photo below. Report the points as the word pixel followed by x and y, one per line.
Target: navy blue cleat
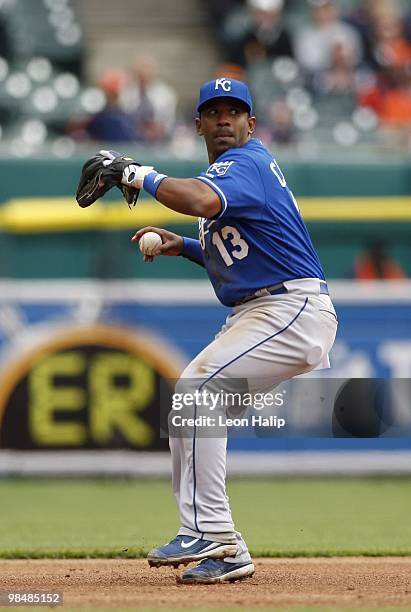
pixel 212 571
pixel 186 549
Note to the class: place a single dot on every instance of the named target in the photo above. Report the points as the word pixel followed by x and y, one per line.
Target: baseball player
pixel 261 262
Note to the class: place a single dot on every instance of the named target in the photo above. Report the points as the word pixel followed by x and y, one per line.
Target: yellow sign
pixel 88 387
pixel 31 215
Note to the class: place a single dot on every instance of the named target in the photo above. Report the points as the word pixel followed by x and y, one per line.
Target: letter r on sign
pixel 223 83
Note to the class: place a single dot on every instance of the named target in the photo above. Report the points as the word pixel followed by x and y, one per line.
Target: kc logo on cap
pixel 224 87
pixel 223 83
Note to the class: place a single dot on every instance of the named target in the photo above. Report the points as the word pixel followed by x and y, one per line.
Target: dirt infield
pixel 106 583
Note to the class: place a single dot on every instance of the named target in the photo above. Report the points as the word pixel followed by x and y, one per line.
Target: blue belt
pixel 277 290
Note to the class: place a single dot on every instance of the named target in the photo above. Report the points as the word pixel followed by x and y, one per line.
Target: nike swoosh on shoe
pixel 188 544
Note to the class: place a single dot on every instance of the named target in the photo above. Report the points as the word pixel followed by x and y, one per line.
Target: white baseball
pixel 149 242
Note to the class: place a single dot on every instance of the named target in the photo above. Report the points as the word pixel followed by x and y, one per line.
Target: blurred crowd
pixel 137 107
pixel 375 262
pixel 310 65
pixel 354 63
pixel 322 72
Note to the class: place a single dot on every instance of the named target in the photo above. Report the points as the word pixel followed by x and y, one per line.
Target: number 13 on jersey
pixel 239 246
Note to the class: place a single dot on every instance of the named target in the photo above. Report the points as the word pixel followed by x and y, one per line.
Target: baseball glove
pixel 102 172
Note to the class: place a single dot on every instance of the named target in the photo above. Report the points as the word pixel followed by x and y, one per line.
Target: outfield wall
pixel 59 240
pixel 343 177
pixel 44 233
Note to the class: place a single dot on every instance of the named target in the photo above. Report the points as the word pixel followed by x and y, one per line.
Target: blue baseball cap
pixel 224 87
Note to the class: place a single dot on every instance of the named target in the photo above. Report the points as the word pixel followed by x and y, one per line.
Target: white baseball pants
pixel 270 338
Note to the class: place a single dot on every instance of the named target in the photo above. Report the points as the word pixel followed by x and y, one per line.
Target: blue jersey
pixel 259 238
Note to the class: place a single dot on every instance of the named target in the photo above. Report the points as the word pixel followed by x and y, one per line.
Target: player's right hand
pixel 172 243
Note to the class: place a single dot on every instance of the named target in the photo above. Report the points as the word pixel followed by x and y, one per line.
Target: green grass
pixel 294 517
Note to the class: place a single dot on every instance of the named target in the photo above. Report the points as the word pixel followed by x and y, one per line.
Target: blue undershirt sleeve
pixel 192 251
